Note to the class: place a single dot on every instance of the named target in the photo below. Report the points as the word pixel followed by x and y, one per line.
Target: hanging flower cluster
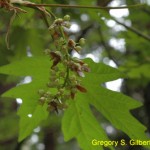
pixel 66 71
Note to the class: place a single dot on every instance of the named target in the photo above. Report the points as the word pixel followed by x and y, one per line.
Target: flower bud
pixel 67 25
pixel 52 72
pixel 47 51
pixel 74 90
pixel 82 41
pixel 62 74
pixel 51 84
pixel 78 48
pixel 61 91
pixel 55 68
pixel 71 43
pixel 59 21
pixel 51 30
pixel 58 53
pixel 74 82
pixel 56 81
pixel 52 78
pixel 47 94
pixel 42 100
pixel 61 40
pixel 58 94
pixel 64 48
pixel 67 18
pixel 65 62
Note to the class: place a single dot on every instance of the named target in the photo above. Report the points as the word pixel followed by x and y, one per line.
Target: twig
pixel 45 20
pixel 83 6
pixel 84 32
pixel 8 30
pixel 94 7
pixel 146 37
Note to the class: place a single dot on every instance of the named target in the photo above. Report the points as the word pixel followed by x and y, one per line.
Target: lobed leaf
pixel 113 105
pixel 78 120
pixel 37 68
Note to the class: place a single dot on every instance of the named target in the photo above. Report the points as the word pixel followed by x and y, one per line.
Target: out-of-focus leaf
pixel 38 69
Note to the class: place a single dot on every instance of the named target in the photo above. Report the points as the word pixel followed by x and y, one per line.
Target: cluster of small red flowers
pixel 66 71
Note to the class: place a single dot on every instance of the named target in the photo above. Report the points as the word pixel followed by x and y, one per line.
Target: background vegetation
pixel 114 37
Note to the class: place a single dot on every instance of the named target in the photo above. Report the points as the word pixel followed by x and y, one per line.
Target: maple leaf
pixel 78 120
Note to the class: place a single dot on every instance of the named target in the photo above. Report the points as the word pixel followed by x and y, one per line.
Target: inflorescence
pixel 66 71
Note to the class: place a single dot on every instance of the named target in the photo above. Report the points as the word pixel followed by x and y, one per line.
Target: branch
pixel 84 31
pixel 39 6
pixel 146 37
pixel 84 6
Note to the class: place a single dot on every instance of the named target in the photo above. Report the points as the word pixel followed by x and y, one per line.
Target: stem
pixel 45 19
pixel 28 4
pixel 67 76
pixel 62 32
pixel 52 14
pixel 84 6
pixel 67 57
pixel 8 30
pixel 146 37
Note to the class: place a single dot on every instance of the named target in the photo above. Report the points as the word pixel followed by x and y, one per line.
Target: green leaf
pixel 79 122
pixel 140 71
pixel 28 66
pixel 113 105
pixel 30 42
pixel 38 69
pixel 27 124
